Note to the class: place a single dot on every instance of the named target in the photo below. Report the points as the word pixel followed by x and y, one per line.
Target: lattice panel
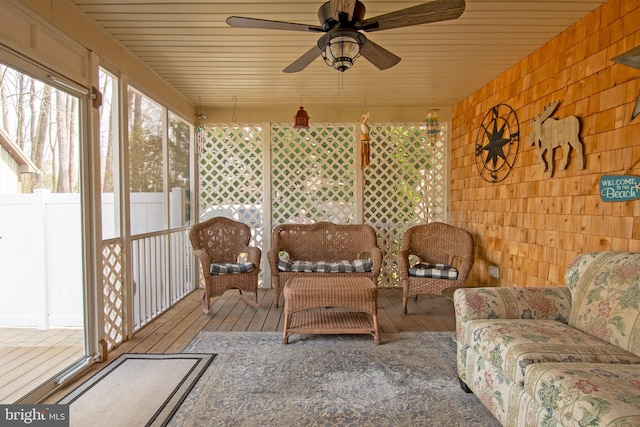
pixel 405 185
pixel 113 293
pixel 313 178
pixel 313 174
pixel 231 173
pixel 436 179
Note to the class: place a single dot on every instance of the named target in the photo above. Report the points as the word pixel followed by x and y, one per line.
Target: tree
pixel 145 144
pixel 46 131
pixel 40 139
pixel 107 151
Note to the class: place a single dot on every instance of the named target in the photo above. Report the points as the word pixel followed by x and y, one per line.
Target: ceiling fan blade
pixel 242 22
pixel 379 56
pixel 435 11
pixel 305 60
pixel 346 6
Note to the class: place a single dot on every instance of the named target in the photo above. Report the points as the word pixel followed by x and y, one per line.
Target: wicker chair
pixel 218 243
pixel 434 244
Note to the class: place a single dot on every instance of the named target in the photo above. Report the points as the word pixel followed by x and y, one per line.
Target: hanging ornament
pixel 301 119
pixel 365 145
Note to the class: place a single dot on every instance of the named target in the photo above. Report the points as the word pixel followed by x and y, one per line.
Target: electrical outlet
pixel 494 271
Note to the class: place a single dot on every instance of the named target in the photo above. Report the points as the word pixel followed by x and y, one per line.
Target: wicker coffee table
pixel 356 293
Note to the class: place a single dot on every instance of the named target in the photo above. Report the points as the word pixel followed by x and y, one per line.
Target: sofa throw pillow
pixel 434 271
pixel 231 267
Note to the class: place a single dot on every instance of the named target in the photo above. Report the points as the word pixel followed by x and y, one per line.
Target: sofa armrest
pixel 550 303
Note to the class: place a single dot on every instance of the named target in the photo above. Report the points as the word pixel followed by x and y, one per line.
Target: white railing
pixel 162 272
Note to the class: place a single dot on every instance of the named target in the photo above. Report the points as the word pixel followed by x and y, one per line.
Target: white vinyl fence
pixel 41 253
pixel 40 260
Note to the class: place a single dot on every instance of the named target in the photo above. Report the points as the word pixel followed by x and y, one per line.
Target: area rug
pixel 136 390
pixel 329 380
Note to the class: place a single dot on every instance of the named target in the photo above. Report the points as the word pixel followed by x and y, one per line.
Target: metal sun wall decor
pixel 549 134
pixel 497 143
pixel 631 58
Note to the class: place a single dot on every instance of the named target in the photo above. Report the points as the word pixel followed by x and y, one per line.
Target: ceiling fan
pixel 342 22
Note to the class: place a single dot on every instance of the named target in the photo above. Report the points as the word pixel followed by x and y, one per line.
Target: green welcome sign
pixel 619 188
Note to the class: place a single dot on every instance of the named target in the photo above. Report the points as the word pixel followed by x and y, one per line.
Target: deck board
pixel 175 329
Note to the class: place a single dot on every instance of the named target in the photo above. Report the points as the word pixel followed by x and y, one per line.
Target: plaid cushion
pixel 434 271
pixel 346 266
pixel 303 266
pixel 231 267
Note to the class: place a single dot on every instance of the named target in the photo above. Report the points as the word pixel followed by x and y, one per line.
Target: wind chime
pixel 433 126
pixel 200 131
pixel 365 144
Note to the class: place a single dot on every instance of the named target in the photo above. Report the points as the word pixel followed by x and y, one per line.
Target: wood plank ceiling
pixel 188 43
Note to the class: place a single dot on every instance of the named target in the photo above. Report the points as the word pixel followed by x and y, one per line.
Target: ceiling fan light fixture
pixel 342 50
pixel 341 22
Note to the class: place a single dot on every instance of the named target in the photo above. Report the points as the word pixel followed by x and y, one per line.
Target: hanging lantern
pixel 301 119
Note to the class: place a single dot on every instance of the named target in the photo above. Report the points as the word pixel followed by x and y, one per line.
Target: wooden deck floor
pixel 29 356
pixel 175 329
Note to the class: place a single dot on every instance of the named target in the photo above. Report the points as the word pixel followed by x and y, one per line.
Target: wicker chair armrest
pixel 205 262
pixel 465 266
pixel 272 257
pixel 403 263
pixel 376 260
pixel 202 256
pixel 253 254
pixel 548 303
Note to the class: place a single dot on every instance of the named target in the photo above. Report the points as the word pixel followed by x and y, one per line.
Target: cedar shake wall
pixel 532 226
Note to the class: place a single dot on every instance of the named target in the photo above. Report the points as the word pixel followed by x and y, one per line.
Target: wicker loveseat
pixel 323 249
pixel 559 356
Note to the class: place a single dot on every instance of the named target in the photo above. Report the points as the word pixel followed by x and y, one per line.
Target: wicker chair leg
pixel 205 302
pixel 404 304
pixel 285 335
pixel 277 299
pixel 248 301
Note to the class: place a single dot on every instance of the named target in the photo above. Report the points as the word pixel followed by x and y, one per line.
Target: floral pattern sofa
pixel 559 356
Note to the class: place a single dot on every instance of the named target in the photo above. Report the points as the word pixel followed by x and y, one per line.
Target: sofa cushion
pixel 513 344
pixel 231 267
pixel 434 271
pixel 344 266
pixel 605 295
pixel 585 394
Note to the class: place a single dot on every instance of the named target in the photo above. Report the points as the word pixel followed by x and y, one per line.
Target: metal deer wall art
pixel 549 134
